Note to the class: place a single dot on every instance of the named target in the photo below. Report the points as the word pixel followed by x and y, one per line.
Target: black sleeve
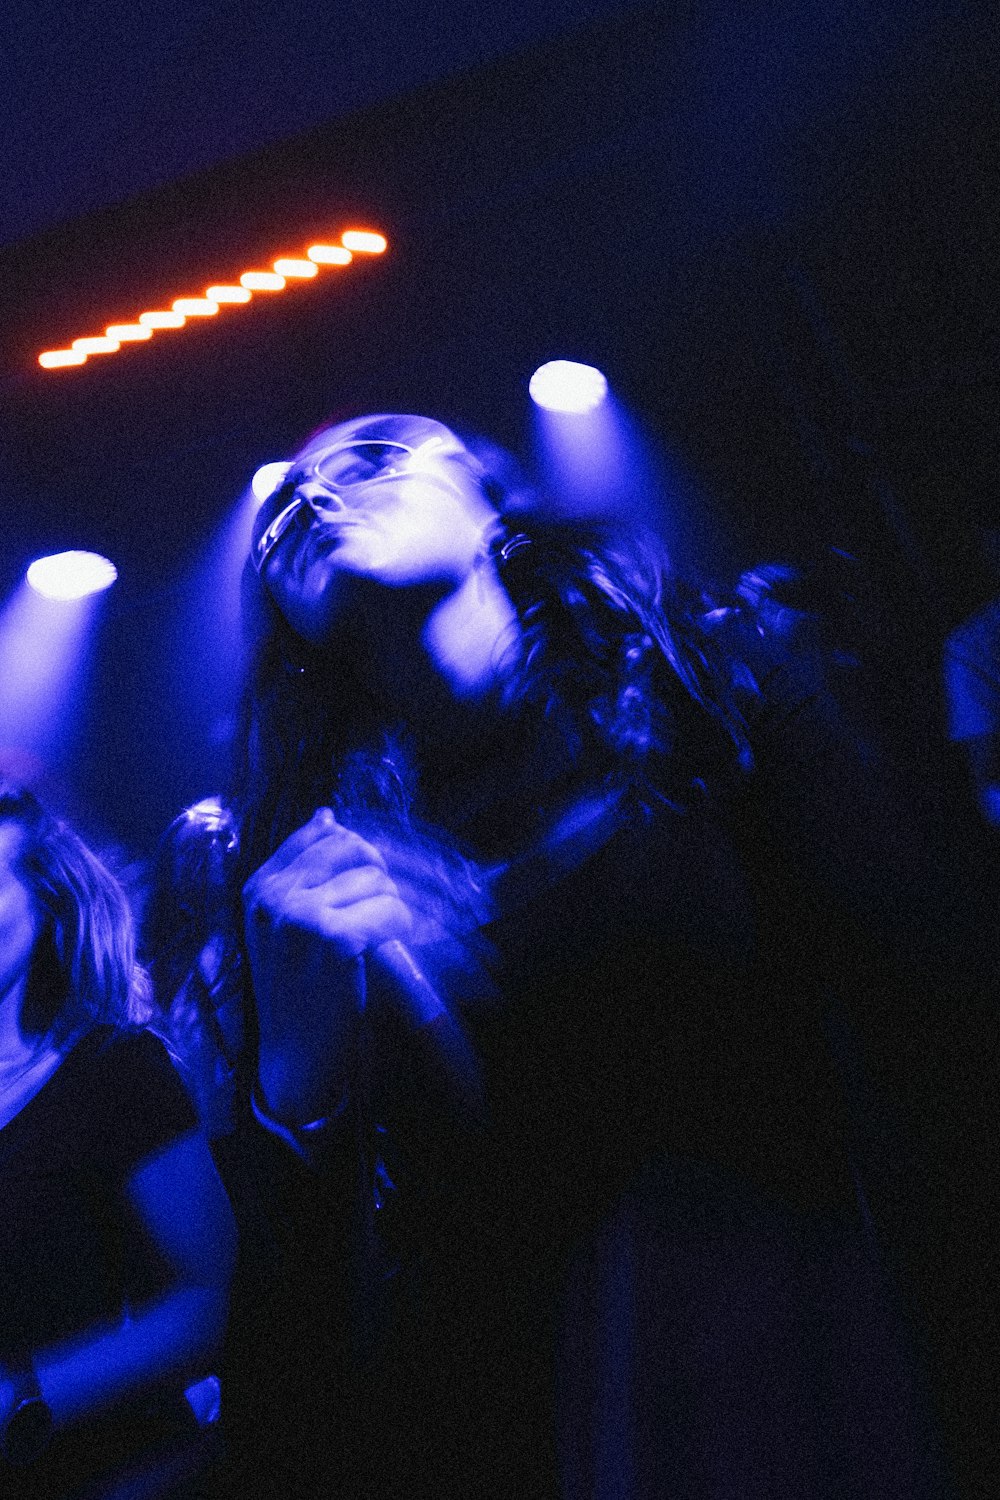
pixel 845 831
pixel 143 1103
pixel 863 839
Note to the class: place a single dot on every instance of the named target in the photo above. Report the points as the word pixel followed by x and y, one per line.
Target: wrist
pixel 294 1088
pixel 302 1138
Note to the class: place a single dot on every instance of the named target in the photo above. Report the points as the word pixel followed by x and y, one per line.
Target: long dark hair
pixel 611 680
pixel 84 969
pixel 613 659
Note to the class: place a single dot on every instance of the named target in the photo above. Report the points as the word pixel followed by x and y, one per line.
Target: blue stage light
pixel 564 385
pixel 71 575
pixel 267 478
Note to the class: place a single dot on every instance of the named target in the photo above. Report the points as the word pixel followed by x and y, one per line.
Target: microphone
pixel 444 1044
pixel 409 985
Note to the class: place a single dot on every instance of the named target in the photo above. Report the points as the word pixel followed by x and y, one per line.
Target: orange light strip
pixel 365 241
pixel 284 272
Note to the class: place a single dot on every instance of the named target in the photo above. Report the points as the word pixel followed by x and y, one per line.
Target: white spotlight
pixel 71 575
pixel 563 385
pixel 267 479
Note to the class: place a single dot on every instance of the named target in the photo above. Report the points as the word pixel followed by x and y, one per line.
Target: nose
pixel 318 497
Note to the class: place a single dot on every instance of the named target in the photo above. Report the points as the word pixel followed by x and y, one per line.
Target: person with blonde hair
pixel 116 1239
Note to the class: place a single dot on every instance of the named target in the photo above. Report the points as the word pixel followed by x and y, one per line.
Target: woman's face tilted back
pixel 376 518
pixel 19 920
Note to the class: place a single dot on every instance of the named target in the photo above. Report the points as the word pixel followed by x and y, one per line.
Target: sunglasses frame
pixel 269 538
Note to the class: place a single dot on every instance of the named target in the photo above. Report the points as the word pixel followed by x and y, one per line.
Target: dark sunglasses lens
pixel 359 462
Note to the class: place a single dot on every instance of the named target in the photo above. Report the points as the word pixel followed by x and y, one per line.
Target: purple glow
pixel 200 663
pixel 564 385
pixel 44 647
pixel 267 479
pixel 71 575
pixel 601 466
pixel 588 461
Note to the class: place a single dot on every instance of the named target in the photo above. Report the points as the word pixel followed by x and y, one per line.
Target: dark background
pixel 772 225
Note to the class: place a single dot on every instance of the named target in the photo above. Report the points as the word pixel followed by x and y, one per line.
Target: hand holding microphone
pixel 323 916
pixel 312 911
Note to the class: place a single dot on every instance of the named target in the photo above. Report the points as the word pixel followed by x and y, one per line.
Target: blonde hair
pixel 84 969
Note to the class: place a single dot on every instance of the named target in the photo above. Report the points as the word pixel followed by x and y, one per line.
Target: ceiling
pixel 771 224
pixel 106 100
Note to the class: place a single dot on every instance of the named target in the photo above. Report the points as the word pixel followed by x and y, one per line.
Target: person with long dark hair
pixel 116 1240
pixel 523 1053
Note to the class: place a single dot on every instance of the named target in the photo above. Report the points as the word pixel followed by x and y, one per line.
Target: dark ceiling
pixel 104 100
pixel 771 225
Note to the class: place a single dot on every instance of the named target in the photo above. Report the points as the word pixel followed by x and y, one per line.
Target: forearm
pixel 169 1341
pixel 429 1031
pixel 300 1080
pixel 312 911
pixel 307 1032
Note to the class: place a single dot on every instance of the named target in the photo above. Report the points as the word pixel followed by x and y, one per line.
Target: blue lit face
pixel 19 920
pixel 419 524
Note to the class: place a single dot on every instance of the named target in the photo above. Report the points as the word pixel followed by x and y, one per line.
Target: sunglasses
pixel 338 469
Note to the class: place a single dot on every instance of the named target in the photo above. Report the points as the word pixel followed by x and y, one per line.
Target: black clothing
pixel 68 1251
pixel 670 1129
pixel 290 1371
pixel 72 1257
pixel 347 1241
pixel 649 1051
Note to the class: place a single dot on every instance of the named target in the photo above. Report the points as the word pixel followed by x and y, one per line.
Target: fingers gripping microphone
pixel 408 983
pixel 454 1069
